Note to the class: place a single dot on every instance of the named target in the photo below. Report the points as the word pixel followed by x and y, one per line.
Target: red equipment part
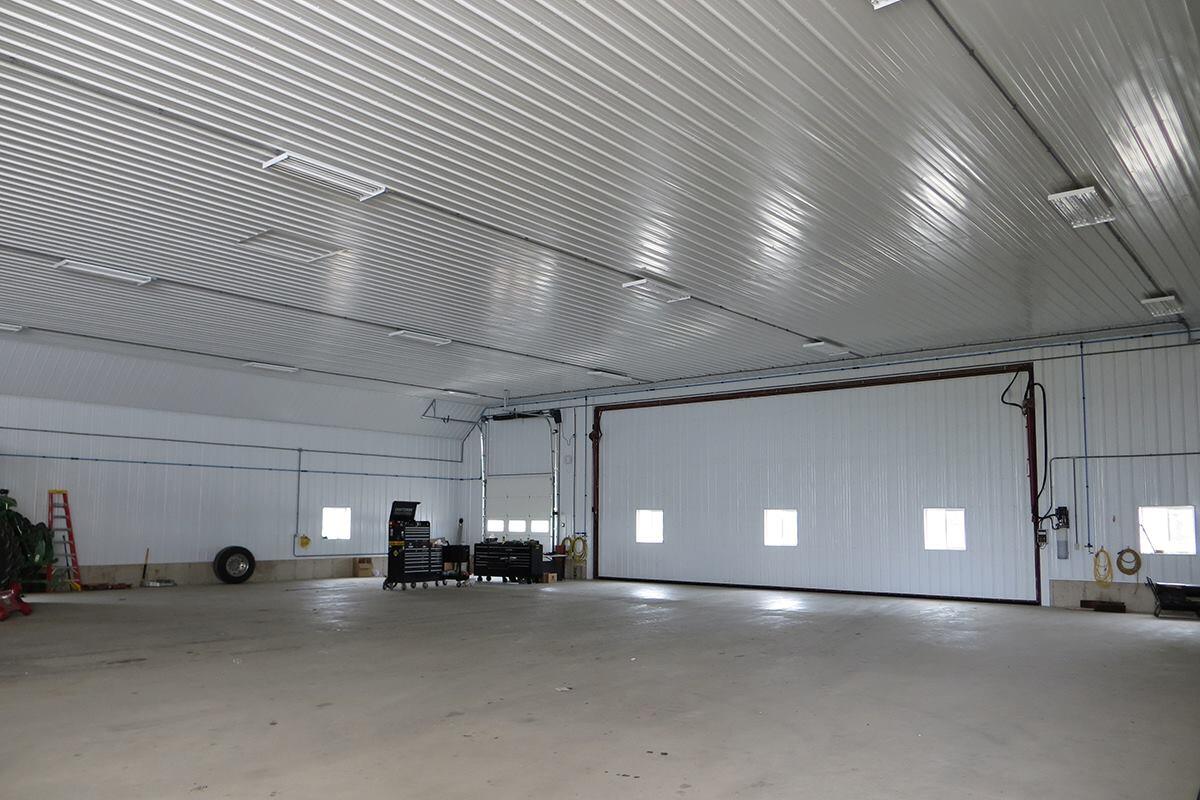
pixel 11 597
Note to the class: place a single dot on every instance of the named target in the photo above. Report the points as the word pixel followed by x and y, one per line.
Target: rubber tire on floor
pixel 221 562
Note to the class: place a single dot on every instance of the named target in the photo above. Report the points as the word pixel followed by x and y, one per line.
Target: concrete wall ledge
pixel 201 573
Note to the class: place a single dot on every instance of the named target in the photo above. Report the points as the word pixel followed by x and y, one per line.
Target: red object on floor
pixel 11 597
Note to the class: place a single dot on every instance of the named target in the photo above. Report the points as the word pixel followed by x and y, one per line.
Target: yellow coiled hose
pixel 1102 568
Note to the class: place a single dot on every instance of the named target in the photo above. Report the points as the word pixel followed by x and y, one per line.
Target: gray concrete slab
pixel 336 689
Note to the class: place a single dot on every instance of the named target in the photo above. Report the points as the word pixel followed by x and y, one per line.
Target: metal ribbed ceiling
pixel 810 170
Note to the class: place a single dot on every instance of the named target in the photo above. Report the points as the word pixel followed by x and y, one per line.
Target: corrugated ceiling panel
pixel 1113 85
pixel 827 169
pixel 41 366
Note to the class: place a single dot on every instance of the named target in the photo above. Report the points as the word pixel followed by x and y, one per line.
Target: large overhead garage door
pixel 519 492
pixel 902 488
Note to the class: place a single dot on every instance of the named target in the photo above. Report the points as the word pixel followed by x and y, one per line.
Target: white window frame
pixel 942 531
pixel 495 526
pixel 335 523
pixel 539 526
pixel 1179 538
pixel 780 527
pixel 648 524
pixel 518 526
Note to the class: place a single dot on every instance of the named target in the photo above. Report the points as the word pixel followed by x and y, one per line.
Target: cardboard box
pixel 549 577
pixel 364 567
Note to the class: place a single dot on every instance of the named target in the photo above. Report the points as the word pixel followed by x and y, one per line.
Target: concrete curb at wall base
pixel 1137 597
pixel 200 573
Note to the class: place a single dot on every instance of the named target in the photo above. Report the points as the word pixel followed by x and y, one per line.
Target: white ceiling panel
pixel 805 170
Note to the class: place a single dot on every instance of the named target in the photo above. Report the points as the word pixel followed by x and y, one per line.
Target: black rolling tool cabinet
pixel 515 561
pixel 412 557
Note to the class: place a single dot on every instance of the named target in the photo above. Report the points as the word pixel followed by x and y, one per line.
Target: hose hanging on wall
pixel 1102 568
pixel 1129 561
pixel 576 548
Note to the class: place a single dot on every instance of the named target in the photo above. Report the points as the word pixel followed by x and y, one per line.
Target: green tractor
pixel 26 548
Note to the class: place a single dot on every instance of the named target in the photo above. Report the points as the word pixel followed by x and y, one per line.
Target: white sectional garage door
pixel 520 480
pixel 859 466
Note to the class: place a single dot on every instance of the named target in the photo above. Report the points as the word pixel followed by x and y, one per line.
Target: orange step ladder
pixel 58 519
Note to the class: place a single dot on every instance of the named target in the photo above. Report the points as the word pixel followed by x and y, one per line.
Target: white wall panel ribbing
pixel 185 500
pixel 858 464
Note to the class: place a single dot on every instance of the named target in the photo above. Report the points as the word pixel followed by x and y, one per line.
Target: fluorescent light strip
pixel 827 348
pixel 108 273
pixel 878 4
pixel 457 393
pixel 330 177
pixel 270 367
pixel 1082 207
pixel 1166 305
pixel 425 338
pixel 603 373
pixel 8 327
pixel 658 289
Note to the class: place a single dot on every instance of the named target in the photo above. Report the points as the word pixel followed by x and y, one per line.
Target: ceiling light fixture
pixel 827 348
pixel 1163 305
pixel 878 4
pixel 291 245
pixel 8 327
pixel 330 177
pixel 424 338
pixel 270 367
pixel 108 273
pixel 660 290
pixel 1082 207
pixel 458 393
pixel 603 373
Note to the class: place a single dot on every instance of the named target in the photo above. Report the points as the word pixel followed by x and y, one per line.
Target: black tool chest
pixel 515 561
pixel 412 558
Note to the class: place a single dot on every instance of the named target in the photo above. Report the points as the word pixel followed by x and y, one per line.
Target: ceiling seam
pixel 316 312
pixel 402 196
pixel 185 351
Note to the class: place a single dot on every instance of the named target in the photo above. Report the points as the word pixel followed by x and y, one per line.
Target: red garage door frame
pixel 1029 410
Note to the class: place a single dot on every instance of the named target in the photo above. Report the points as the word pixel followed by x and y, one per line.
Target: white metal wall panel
pixel 858 464
pixel 1144 404
pixel 197 498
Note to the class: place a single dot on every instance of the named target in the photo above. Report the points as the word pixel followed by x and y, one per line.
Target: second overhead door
pixel 519 500
pixel 909 488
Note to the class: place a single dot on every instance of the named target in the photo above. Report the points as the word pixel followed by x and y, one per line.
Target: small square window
pixel 335 523
pixel 1167 530
pixel 779 527
pixel 516 526
pixel 648 526
pixel 945 529
pixel 539 526
pixel 495 526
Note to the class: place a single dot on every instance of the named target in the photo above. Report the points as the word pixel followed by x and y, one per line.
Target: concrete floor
pixel 337 689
